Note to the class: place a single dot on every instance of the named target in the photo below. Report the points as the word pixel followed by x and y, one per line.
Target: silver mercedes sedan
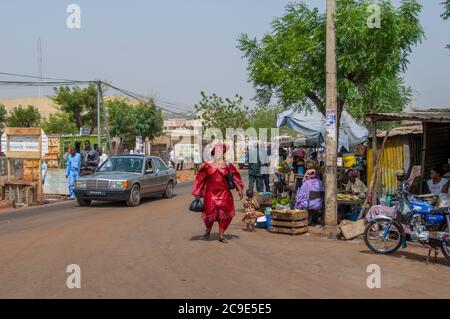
pixel 126 178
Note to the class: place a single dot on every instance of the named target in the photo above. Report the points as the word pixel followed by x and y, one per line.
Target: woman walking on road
pixel 210 183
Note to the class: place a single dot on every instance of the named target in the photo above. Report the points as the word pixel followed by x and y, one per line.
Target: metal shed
pixel 435 148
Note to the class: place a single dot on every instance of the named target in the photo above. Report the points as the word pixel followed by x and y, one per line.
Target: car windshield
pixel 122 164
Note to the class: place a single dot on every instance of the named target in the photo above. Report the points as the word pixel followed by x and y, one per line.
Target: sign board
pixel 331 121
pixel 24 143
pixel 138 146
pixel 85 131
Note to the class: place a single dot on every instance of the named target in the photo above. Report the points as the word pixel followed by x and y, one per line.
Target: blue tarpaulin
pixel 313 126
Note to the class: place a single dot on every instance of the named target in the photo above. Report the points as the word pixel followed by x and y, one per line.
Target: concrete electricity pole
pixel 331 119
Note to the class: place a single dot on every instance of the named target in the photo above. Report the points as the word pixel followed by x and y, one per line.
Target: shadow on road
pixel 414 256
pixel 122 204
pixel 214 236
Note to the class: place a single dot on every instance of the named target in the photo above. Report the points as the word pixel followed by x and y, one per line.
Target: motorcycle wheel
pixel 383 237
pixel 445 246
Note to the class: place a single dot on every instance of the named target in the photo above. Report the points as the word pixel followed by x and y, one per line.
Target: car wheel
pixel 168 193
pixel 83 202
pixel 134 199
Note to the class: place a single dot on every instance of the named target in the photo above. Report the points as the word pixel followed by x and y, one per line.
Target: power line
pixel 134 96
pixel 59 82
pixel 37 77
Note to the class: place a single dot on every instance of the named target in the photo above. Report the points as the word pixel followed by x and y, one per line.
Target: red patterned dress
pixel 218 201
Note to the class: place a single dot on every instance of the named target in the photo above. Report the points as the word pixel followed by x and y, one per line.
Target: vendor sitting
pixel 355 186
pixel 437 184
pixel 310 184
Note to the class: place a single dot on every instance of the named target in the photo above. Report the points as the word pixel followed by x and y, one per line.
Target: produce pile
pixel 346 197
pixel 283 201
pixel 284 167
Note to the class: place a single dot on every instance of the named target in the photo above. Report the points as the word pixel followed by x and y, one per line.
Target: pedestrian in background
pixel 180 163
pixel 172 157
pixel 251 206
pixel 89 159
pixel 265 167
pixel 254 170
pixel 197 161
pixel 103 157
pixel 210 184
pixel 72 170
pixel 43 171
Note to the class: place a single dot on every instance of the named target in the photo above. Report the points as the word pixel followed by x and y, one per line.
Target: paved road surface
pixel 155 251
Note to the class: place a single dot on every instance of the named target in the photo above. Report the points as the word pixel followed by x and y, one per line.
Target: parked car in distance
pixel 126 178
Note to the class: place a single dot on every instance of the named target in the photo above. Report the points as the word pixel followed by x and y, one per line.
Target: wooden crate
pixel 291 215
pixel 292 222
pixel 290 231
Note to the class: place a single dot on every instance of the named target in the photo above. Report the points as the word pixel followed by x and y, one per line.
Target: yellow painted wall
pixel 391 160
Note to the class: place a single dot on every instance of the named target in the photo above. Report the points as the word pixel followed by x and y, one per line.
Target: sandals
pixel 223 240
pixel 207 235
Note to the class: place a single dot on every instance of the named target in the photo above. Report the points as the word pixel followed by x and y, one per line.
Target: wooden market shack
pixel 435 144
pixel 27 145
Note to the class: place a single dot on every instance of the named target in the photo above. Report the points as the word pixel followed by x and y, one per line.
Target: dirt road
pixel 155 251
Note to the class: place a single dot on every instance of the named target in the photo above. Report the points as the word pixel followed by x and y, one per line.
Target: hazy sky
pixel 175 48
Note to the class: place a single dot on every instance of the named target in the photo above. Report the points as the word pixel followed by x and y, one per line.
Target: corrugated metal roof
pixel 431 115
pixel 405 129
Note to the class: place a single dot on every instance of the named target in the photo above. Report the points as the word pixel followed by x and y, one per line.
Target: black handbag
pixel 197 205
pixel 229 179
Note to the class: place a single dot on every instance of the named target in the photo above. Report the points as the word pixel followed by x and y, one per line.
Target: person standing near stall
pixel 254 169
pixel 72 170
pixel 211 184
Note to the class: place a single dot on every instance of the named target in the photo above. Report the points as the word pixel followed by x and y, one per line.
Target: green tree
pixel 79 104
pixel 446 14
pixel 24 117
pixel 216 112
pixel 3 116
pixel 266 117
pixel 149 120
pixel 288 63
pixel 59 123
pixel 122 120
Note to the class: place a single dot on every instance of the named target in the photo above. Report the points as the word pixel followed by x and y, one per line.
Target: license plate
pixel 96 193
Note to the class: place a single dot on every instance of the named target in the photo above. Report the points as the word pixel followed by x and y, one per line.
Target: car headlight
pixel 118 184
pixel 80 184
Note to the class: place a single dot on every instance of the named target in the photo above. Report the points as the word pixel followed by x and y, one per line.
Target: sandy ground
pixel 155 251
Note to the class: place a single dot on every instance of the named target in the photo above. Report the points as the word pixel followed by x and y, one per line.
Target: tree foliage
pixel 122 120
pixel 446 14
pixel 149 120
pixel 216 112
pixel 80 104
pixel 59 123
pixel 3 116
pixel 288 63
pixel 24 117
pixel 128 121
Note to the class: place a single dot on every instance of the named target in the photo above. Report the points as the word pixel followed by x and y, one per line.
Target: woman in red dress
pixel 210 184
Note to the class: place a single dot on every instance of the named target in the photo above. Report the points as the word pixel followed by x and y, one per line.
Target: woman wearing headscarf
pixel 310 184
pixel 210 183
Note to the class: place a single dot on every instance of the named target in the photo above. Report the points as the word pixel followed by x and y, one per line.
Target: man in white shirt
pixel 103 157
pixel 172 157
pixel 197 161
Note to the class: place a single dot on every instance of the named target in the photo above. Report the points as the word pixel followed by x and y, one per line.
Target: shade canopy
pixel 312 125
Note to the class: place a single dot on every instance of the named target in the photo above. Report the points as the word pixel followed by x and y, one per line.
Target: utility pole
pixel 99 128
pixel 331 119
pixel 105 119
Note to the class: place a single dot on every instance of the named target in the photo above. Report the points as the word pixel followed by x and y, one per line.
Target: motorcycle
pixel 429 226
